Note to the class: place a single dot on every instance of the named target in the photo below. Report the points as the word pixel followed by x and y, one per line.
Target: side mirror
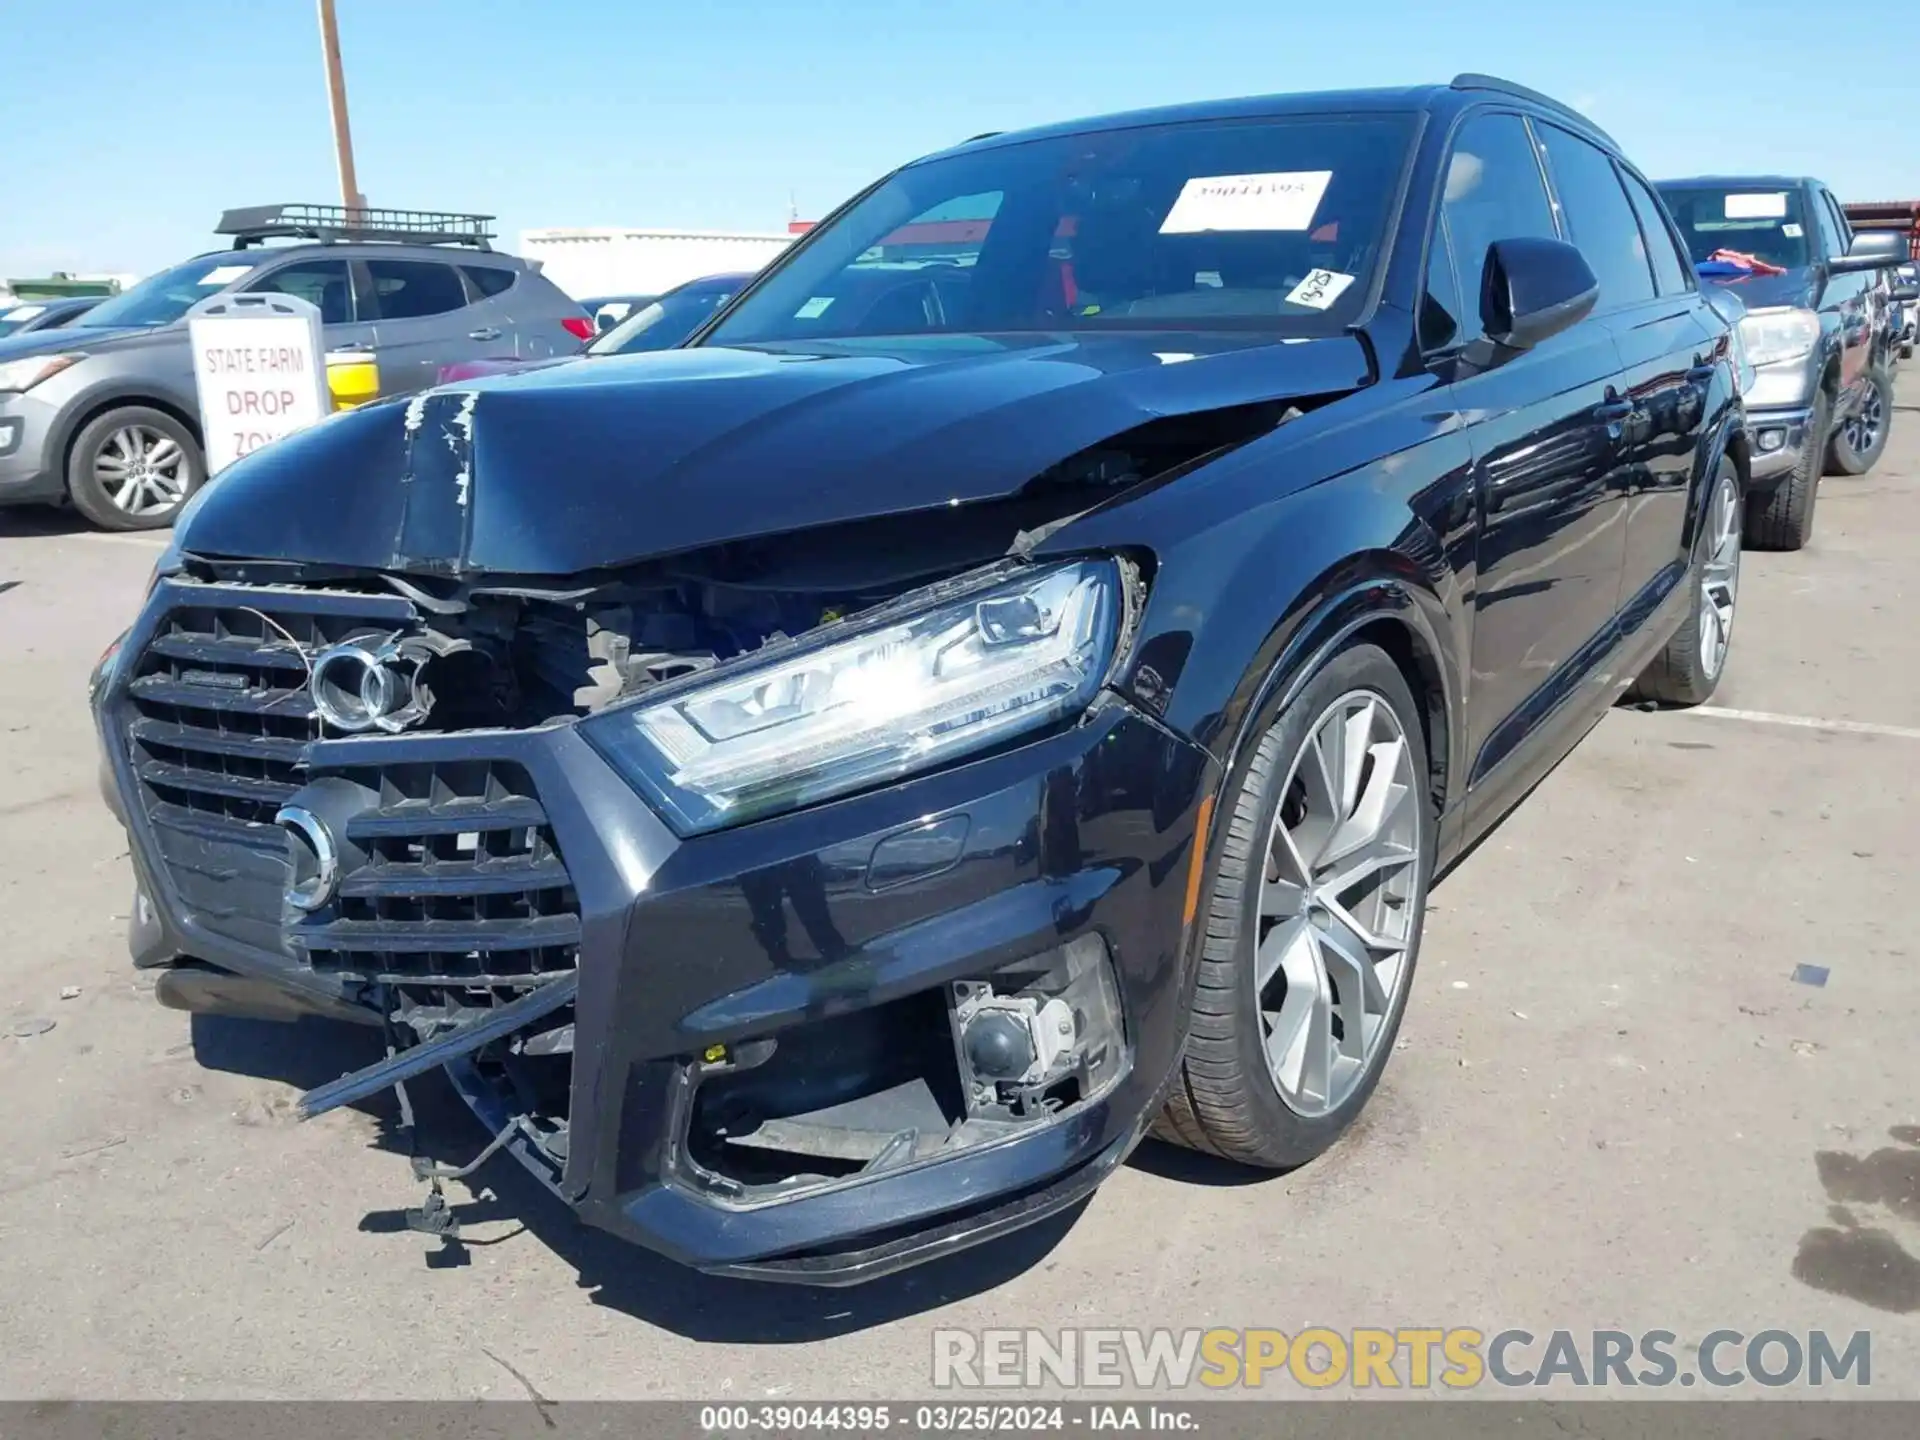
pixel 1906 285
pixel 1872 250
pixel 1532 289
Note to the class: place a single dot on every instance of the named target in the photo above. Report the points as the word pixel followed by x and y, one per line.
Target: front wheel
pixel 1860 441
pixel 1313 922
pixel 1688 670
pixel 133 468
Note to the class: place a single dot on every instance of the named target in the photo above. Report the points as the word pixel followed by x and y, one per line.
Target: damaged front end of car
pixel 800 903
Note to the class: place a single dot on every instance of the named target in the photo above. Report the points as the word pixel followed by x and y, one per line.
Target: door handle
pixel 485 333
pixel 1700 374
pixel 1613 411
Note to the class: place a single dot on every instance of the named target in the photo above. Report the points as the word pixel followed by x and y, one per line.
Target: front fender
pixel 1250 591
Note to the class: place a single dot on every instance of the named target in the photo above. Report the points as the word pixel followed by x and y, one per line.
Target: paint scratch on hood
pixel 417 413
pixel 461 443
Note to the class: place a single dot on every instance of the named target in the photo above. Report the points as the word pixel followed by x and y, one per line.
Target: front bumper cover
pixel 1776 441
pixel 746 933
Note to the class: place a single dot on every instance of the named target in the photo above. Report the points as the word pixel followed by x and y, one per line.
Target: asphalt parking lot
pixel 1614 1104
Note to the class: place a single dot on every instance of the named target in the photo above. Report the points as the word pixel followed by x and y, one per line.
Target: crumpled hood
pixel 629 458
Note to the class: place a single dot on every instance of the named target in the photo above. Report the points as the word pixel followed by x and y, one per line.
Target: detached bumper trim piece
pixel 419 1059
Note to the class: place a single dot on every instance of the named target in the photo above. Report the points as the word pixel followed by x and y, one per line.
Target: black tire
pixel 1222 1098
pixel 88 490
pixel 1681 674
pixel 1783 520
pixel 1876 412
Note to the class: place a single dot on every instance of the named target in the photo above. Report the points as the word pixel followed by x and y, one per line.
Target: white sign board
pixel 259 362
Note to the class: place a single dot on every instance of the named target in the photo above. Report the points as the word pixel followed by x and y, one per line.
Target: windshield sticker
pixel 1791 231
pixel 1280 201
pixel 223 274
pixel 1320 289
pixel 814 308
pixel 1771 206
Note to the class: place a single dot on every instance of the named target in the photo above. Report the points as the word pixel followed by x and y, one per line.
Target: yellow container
pixel 353 379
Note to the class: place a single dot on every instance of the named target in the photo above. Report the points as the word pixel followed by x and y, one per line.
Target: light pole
pixel 350 195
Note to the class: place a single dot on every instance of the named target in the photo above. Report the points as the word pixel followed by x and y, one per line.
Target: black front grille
pixel 223 713
pixel 461 884
pixel 455 879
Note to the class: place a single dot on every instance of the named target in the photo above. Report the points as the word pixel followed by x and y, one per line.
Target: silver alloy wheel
pixel 1863 430
pixel 1336 911
pixel 142 470
pixel 1720 580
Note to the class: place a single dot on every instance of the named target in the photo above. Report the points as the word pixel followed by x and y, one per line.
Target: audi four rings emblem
pixel 362 685
pixel 316 859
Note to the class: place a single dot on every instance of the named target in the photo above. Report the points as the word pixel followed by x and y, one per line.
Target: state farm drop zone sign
pixel 257 362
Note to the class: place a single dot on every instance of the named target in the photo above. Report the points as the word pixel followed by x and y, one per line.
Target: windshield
pixel 1274 225
pixel 162 299
pixel 16 318
pixel 663 323
pixel 1763 223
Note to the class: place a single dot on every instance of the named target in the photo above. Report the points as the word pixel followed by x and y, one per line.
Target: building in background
pixel 60 285
pixel 618 261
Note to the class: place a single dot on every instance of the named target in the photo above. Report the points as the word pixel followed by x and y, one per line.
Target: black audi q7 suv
pixel 825 792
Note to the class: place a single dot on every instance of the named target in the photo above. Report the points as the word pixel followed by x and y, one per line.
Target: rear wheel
pixel 1689 669
pixel 1783 520
pixel 133 468
pixel 1313 922
pixel 1860 440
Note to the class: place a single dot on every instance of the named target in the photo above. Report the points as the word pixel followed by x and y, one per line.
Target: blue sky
pixel 126 126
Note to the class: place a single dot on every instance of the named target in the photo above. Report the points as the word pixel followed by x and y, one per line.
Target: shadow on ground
pixel 30 520
pixel 506 1203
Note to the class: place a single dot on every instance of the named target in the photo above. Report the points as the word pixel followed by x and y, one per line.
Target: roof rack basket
pixel 251 224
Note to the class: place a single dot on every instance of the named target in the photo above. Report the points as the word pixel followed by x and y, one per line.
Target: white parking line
pixel 1806 722
pixel 152 539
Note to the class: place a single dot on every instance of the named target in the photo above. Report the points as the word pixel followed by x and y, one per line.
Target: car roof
pixel 361 250
pixel 1742 182
pixel 1462 91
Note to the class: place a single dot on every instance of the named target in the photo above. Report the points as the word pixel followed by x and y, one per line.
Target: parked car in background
pixel 1906 308
pixel 660 324
pixel 607 311
pixel 26 316
pixel 936 739
pixel 1822 399
pixel 104 413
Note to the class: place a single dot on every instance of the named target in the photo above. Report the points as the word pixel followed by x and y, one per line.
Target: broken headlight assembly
pixel 914 689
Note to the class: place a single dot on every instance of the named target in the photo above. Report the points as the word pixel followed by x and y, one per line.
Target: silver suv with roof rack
pixel 103 414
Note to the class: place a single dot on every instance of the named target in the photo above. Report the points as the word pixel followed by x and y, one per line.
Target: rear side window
pixel 488 280
pixel 323 283
pixel 1600 220
pixel 1671 272
pixel 1494 191
pixel 413 289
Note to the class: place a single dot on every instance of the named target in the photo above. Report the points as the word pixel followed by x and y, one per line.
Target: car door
pixel 421 324
pixel 326 284
pixel 491 295
pixel 1552 537
pixel 1845 296
pixel 1667 357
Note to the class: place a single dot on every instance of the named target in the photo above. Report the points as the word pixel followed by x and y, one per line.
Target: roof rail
pixel 251 224
pixel 983 135
pixel 1471 81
